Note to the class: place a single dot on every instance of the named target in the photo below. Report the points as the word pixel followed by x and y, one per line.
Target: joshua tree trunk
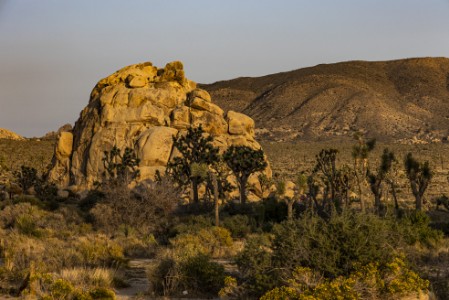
pixel 418 202
pixel 243 180
pixel 417 194
pixel 359 185
pixel 377 203
pixel 290 203
pixel 195 190
pixel 395 196
pixel 217 212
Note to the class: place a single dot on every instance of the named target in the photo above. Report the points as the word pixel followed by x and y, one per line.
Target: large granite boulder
pixel 142 107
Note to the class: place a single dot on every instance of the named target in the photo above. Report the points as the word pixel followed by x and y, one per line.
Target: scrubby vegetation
pixel 320 242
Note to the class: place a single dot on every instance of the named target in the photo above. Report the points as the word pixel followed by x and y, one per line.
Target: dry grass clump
pixel 214 241
pixel 34 241
pixel 84 277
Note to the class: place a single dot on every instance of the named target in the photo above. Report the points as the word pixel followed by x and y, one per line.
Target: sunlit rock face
pixel 143 107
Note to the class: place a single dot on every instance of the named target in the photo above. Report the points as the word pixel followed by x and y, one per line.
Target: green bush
pixel 102 293
pixel 29 199
pixel 165 278
pixel 213 241
pixel 415 228
pixel 193 224
pixel 92 198
pixel 334 249
pixel 197 274
pixel 26 225
pixel 202 275
pixel 391 280
pixel 255 264
pixel 335 246
pixel 98 249
pixel 238 225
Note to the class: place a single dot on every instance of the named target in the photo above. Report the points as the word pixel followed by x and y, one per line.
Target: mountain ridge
pixel 389 100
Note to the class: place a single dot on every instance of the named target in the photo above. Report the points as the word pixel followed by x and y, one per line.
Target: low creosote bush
pixel 213 241
pixel 202 275
pixel 373 281
pixel 334 248
pixel 197 274
pixel 238 225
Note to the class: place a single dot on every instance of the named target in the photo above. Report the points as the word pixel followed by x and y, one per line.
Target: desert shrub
pixel 24 217
pixel 193 224
pixel 255 264
pixel 230 290
pixel 259 214
pixel 31 220
pixel 213 241
pixel 80 283
pixel 334 249
pixel 98 250
pixel 196 209
pixel 148 209
pixel 234 208
pixel 165 276
pixel 374 281
pixel 26 225
pixel 91 199
pixel 202 275
pixel 86 277
pixel 415 228
pixel 274 211
pixel 335 246
pixel 29 199
pixel 102 293
pixel 134 246
pixel 238 225
pixel 196 274
pixel 26 177
pixel 61 289
pixel 17 252
pixel 47 191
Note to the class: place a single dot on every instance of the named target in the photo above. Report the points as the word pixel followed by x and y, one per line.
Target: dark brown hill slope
pixel 388 100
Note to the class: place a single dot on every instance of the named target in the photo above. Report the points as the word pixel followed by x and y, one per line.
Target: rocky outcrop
pixel 53 135
pixel 143 107
pixel 9 135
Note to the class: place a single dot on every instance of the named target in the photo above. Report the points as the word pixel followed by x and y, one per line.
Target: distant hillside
pixel 388 100
pixel 9 135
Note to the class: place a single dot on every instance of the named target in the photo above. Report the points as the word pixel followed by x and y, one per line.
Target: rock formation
pixel 9 135
pixel 53 135
pixel 143 107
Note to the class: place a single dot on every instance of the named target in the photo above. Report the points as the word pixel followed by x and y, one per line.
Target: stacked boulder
pixel 143 107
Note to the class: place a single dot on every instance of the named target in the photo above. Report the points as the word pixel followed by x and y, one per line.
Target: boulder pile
pixel 143 107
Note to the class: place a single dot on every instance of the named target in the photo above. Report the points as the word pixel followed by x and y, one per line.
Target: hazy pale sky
pixel 52 52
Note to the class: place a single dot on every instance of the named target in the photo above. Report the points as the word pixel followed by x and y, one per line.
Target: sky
pixel 53 52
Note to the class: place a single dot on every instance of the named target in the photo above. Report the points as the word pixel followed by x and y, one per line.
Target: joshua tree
pixel 195 148
pixel 419 175
pixel 122 168
pixel 376 180
pixel 26 178
pixel 360 154
pixel 214 180
pixel 244 161
pixel 334 182
pixel 286 190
